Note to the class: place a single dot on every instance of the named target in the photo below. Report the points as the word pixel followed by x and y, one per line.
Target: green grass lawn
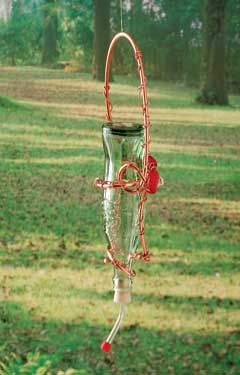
pixel 55 292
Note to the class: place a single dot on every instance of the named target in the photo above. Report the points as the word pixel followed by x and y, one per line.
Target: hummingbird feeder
pixel 130 175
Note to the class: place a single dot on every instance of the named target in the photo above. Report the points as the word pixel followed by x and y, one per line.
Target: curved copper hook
pixel 143 86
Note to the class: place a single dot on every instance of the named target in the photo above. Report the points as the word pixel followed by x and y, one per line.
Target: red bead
pixel 106 346
pixel 153 181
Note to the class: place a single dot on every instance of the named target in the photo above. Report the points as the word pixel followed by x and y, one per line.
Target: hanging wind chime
pixel 130 174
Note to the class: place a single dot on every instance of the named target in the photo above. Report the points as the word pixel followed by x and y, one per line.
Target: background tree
pixel 169 40
pixel 233 45
pixel 101 37
pixel 76 32
pixel 213 84
pixel 50 32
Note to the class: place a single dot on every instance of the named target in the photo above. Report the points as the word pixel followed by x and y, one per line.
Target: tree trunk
pixel 101 37
pixel 213 85
pixel 173 66
pixel 50 52
pixel 5 9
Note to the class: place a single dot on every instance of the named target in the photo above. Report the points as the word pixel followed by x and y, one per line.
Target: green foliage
pixel 35 364
pixel 20 36
pixel 76 41
pixel 170 39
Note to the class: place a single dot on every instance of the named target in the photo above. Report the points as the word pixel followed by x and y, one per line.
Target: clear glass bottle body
pixel 122 143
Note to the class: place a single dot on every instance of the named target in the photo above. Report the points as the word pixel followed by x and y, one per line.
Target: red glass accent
pixel 152 162
pixel 153 181
pixel 106 346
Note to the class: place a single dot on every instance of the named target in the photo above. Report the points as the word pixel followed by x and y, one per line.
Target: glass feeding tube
pixel 123 143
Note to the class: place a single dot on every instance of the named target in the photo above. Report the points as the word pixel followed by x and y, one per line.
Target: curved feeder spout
pixel 107 344
pixel 122 296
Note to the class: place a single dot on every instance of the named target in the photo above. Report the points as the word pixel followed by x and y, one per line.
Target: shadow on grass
pixel 57 254
pixel 208 268
pixel 137 350
pixel 172 302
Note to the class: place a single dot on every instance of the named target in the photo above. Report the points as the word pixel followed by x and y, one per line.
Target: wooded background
pixel 190 41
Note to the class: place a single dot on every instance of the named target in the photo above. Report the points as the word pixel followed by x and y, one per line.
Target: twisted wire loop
pixel 131 187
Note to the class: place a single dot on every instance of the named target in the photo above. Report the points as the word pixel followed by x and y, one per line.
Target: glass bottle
pixel 122 143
